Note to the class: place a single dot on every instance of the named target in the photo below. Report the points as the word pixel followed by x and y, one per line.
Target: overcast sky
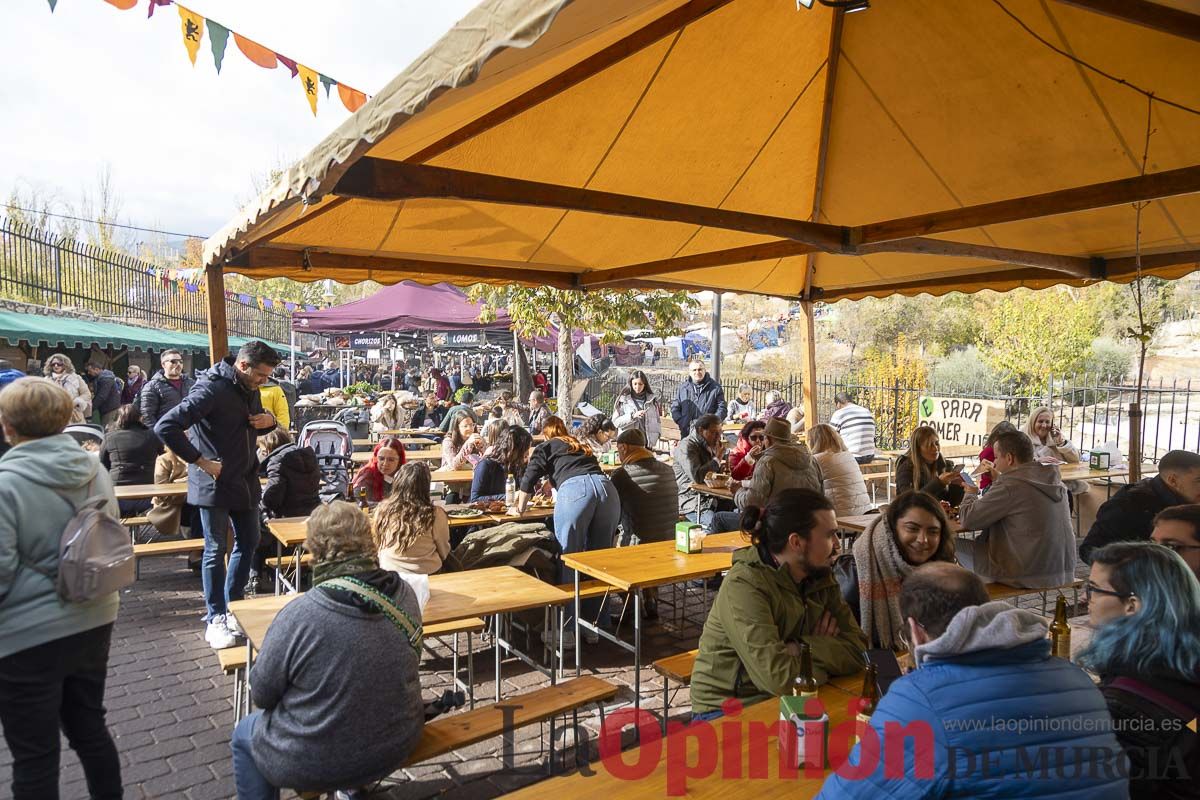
pixel 91 85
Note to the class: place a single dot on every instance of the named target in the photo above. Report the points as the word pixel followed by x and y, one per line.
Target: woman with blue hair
pixel 1145 604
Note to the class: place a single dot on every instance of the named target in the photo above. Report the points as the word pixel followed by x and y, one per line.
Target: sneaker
pixel 590 636
pixel 350 794
pixel 568 639
pixel 231 624
pixel 217 635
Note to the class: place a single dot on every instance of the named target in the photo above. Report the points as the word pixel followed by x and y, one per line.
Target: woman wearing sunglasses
pixel 751 442
pixel 1145 605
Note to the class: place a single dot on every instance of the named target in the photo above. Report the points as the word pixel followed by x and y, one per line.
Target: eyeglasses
pixel 1176 547
pixel 1090 588
pixel 757 437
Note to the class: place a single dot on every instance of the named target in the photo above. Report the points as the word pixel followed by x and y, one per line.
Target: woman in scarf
pixel 59 369
pixel 638 407
pixel 413 535
pixel 377 476
pixel 135 379
pixel 337 679
pixel 910 532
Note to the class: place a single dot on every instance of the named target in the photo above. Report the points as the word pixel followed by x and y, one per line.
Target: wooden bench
pixel 171 547
pixel 1002 591
pixel 677 668
pixel 233 662
pixel 277 562
pixel 135 522
pixel 470 627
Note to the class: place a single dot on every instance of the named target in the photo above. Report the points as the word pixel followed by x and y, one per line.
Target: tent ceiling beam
pixel 782 248
pixel 1185 180
pixel 379 179
pixel 1149 15
pixel 910 287
pixel 1124 266
pixel 1076 266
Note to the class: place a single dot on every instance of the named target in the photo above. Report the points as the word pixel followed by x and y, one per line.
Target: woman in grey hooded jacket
pixel 53 654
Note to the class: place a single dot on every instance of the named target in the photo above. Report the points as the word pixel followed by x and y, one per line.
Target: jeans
pixel 250 782
pixel 59 684
pixel 723 521
pixel 585 518
pixel 707 716
pixel 702 518
pixel 220 588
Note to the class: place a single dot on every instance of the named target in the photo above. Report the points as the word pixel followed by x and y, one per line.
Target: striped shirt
pixel 857 427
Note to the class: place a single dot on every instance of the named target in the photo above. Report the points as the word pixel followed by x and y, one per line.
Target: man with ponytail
pixel 779 593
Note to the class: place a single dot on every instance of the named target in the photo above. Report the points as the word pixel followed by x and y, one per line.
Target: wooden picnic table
pixel 407 441
pixel 148 491
pixel 703 488
pixel 363 456
pixel 600 784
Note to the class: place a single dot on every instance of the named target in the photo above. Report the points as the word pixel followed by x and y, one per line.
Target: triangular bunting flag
pixel 155 4
pixel 255 52
pixel 287 62
pixel 327 82
pixel 53 3
pixel 191 25
pixel 308 83
pixel 124 5
pixel 218 37
pixel 352 99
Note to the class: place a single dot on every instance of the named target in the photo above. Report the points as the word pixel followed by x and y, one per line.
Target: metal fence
pixel 1091 410
pixel 43 269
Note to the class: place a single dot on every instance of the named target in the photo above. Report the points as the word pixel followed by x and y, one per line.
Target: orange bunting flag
pixel 124 5
pixel 191 25
pixel 352 99
pixel 255 52
pixel 308 83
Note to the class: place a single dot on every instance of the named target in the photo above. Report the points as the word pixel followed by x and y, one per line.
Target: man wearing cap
pixel 785 464
pixel 648 492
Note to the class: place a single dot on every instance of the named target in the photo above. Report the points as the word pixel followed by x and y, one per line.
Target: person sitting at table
pixel 337 681
pixel 989 700
pixel 463 408
pixel 378 473
pixel 412 533
pixel 795 418
pixel 386 414
pixel 779 592
pixel 1178 529
pixel 648 492
pixel 696 455
pixel 513 414
pixel 988 454
pixel 507 459
pixel 922 468
pixel 1026 537
pixel 430 413
pixel 586 511
pixel 598 432
pixel 1049 443
pixel 776 407
pixel 129 453
pixel 912 530
pixel 293 476
pixel 463 446
pixel 742 409
pixel 785 464
pixel 538 411
pixel 1144 603
pixel 1129 514
pixel 638 407
pixel 841 477
pixel 751 443
pixel 495 417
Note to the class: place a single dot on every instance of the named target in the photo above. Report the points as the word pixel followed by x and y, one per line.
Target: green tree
pixel 604 312
pixel 1032 335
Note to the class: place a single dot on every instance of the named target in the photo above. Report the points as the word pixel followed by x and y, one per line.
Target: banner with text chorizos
pixel 456 340
pixel 960 420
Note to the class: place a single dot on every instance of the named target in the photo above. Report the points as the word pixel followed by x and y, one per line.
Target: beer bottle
pixel 805 685
pixel 869 696
pixel 1060 631
pixel 362 498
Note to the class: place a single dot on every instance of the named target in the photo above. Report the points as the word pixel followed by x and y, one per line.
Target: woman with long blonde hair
pixel 924 469
pixel 842 479
pixel 412 534
pixel 59 369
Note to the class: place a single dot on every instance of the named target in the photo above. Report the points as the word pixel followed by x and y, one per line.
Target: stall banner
pixel 960 420
pixel 456 340
pixel 366 341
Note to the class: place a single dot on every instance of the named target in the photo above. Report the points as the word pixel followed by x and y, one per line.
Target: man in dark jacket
pixel 648 492
pixel 215 430
pixel 166 389
pixel 696 397
pixel 8 374
pixel 697 454
pixel 1129 514
pixel 106 396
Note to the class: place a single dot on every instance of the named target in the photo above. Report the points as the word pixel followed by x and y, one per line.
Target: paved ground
pixel 171 711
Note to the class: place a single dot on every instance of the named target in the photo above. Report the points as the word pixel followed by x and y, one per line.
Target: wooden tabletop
pixel 289 531
pixel 724 494
pixel 452 597
pixel 292 531
pixel 407 441
pixel 657 563
pixel 363 456
pixel 603 785
pixel 859 523
pixel 146 491
pixel 1082 472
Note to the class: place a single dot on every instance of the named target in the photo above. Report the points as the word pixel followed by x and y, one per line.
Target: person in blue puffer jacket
pixel 1004 717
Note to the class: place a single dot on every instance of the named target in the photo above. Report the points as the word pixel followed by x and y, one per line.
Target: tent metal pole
pixel 716 338
pixel 292 371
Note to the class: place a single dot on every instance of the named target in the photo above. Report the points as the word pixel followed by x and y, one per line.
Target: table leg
pixel 299 566
pixel 637 650
pixel 496 620
pixel 578 639
pixel 278 567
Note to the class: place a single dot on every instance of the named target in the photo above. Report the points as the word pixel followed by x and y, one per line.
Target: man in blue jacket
pixel 989 712
pixel 215 430
pixel 106 395
pixel 697 396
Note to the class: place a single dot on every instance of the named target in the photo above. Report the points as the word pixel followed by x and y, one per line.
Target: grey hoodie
pixel 1027 539
pixel 784 465
pixel 42 482
pixel 991 626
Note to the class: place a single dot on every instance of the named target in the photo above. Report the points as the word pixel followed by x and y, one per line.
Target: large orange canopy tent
pixel 753 146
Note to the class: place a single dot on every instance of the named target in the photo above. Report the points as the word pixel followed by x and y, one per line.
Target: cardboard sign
pixel 960 420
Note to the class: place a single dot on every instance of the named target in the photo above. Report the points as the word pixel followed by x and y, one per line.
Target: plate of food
pixel 489 506
pixel 541 501
pixel 464 513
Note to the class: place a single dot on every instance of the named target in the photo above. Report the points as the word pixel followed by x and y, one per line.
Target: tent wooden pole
pixel 1150 15
pixel 808 362
pixel 218 325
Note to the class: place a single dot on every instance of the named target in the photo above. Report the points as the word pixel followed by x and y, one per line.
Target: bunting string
pixel 194 27
pixel 190 281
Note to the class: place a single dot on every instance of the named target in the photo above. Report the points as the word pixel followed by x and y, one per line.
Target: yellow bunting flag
pixel 191 25
pixel 308 83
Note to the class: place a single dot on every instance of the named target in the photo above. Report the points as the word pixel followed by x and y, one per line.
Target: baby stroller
pixel 331 441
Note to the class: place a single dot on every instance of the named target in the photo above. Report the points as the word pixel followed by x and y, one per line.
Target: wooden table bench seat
pixel 171 547
pixel 135 522
pixel 677 668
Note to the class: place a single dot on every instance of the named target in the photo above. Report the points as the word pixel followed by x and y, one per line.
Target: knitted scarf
pixel 355 565
pixel 881 570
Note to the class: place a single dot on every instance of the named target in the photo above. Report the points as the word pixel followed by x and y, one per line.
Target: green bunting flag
pixel 218 37
pixel 327 82
pixel 53 3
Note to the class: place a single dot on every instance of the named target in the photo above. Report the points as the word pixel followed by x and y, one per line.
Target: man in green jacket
pixel 780 592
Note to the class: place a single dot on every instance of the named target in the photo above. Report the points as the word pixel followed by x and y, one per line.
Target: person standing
pixel 106 395
pixel 857 427
pixel 539 413
pixel 215 430
pixel 135 380
pixel 637 408
pixel 53 654
pixel 275 403
pixel 166 389
pixel 60 370
pixel 697 396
